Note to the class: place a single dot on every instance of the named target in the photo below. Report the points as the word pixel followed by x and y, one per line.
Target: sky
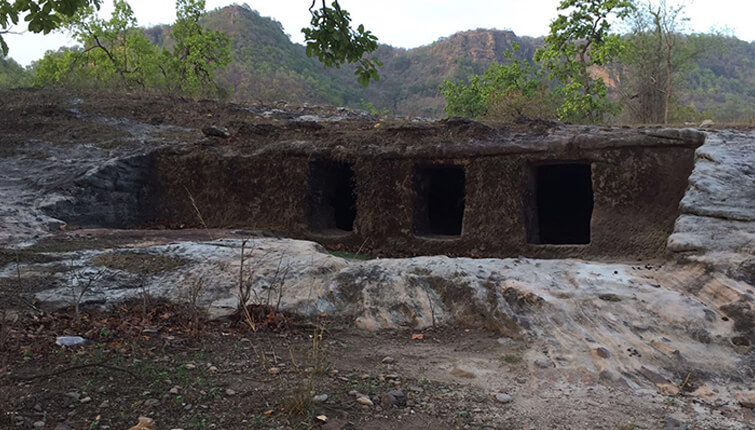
pixel 408 23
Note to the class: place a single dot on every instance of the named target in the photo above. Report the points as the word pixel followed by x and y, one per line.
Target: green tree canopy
pixel 577 42
pixel 504 92
pixel 13 74
pixel 333 41
pixel 116 53
pixel 197 52
pixel 42 16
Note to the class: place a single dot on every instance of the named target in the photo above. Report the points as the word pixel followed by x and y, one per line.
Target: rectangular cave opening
pixel 563 204
pixel 439 200
pixel 332 196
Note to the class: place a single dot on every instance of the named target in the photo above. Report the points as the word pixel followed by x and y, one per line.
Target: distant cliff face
pixel 479 45
pixel 410 78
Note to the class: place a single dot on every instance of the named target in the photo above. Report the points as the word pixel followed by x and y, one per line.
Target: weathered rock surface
pixel 717 221
pixel 112 194
pixel 655 324
pixel 94 175
pixel 25 179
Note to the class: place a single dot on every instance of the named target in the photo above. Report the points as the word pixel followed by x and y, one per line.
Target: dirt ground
pixel 155 361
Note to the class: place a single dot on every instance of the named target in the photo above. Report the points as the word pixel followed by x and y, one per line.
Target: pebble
pixel 746 398
pixel 151 402
pixel 86 399
pixel 364 400
pixel 543 363
pixel 274 370
pixel 39 424
pixel 674 424
pixel 461 373
pixel 213 131
pixel 320 398
pixel 175 390
pixel 191 366
pixel 503 398
pixel 212 369
pixel 388 360
pixel 104 404
pixel 394 398
pixel 230 392
pixel 607 375
pixel 603 353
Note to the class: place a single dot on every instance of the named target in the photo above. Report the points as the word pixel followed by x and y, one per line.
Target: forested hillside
pixel 12 74
pixel 722 82
pixel 266 66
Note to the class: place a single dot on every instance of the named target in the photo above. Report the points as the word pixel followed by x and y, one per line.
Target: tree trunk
pixel 667 100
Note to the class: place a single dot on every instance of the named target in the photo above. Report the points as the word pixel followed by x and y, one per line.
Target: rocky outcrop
pixel 716 225
pixel 115 194
pixel 616 322
pixel 717 220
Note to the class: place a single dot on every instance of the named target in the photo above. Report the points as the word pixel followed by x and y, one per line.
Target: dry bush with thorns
pixel 81 284
pixel 254 309
pixel 196 288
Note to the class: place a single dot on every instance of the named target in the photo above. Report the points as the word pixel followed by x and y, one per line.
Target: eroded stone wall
pixel 636 192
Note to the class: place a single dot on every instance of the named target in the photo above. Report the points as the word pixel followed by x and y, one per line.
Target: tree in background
pixel 12 74
pixel 640 72
pixel 577 43
pixel 116 53
pixel 197 52
pixel 504 92
pixel 562 84
pixel 668 22
pixel 658 53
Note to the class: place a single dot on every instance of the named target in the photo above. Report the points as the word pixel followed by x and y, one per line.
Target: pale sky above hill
pixel 409 23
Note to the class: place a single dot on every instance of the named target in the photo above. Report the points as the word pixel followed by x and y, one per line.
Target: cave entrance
pixel 332 196
pixel 439 200
pixel 563 200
